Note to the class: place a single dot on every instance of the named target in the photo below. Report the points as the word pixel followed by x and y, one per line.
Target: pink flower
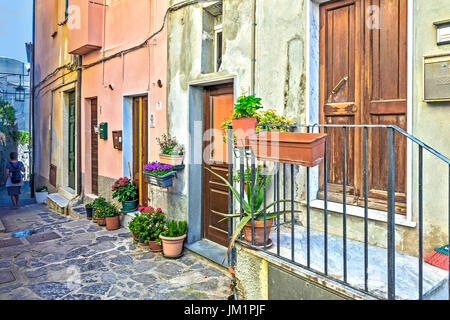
pixel 141 208
pixel 158 210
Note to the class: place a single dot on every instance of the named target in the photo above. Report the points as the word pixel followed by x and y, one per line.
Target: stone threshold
pixel 209 250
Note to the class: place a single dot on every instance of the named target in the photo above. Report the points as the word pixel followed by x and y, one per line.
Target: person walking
pixel 13 178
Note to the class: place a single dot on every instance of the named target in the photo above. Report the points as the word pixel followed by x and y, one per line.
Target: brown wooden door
pixel 363 73
pixel 140 146
pixel 94 148
pixel 217 107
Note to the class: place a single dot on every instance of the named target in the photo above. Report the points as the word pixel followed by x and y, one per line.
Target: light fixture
pixel 20 92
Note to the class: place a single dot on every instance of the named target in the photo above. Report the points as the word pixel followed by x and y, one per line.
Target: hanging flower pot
pixel 173 160
pixel 159 174
pixel 243 128
pixel 164 181
pixel 305 149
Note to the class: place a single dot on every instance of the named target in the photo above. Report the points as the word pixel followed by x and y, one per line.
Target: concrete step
pixel 77 212
pixel 67 193
pixel 435 280
pixel 58 203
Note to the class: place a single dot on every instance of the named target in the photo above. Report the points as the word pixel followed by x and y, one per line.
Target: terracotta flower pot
pixel 305 149
pixel 101 221
pixel 172 247
pixel 154 247
pixel 173 160
pixel 112 223
pixel 244 128
pixel 259 232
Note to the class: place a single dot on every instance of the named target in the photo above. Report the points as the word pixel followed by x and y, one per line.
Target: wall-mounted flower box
pixel 305 149
pixel 159 174
pixel 173 160
pixel 164 181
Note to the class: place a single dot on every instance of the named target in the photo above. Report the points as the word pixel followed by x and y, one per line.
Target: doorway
pixel 71 136
pixel 94 147
pixel 363 80
pixel 218 104
pixel 140 146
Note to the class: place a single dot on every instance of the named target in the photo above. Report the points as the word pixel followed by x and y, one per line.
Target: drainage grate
pixel 10 242
pixel 41 237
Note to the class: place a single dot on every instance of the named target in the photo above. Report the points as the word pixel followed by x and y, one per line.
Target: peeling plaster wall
pixel 280 70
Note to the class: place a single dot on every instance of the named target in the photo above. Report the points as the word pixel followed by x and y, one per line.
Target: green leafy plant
pixel 173 228
pixel 256 189
pixel 111 211
pixel 169 145
pixel 42 189
pixel 90 205
pixel 246 106
pixel 99 202
pixel 124 190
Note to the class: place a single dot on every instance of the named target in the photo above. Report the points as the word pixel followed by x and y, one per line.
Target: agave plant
pixel 256 202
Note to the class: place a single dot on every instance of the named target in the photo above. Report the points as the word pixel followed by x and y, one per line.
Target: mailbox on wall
pixel 437 78
pixel 103 130
pixel 117 140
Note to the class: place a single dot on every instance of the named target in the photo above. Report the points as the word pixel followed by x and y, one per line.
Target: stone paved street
pixel 88 262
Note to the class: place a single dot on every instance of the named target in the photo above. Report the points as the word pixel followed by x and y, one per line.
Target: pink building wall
pixel 126 24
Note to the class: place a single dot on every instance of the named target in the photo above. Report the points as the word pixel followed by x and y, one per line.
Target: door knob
pixel 354 109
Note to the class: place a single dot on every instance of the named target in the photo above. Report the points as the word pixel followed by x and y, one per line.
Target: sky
pixel 16 21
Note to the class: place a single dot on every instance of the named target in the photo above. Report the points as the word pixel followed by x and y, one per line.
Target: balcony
pixel 85 25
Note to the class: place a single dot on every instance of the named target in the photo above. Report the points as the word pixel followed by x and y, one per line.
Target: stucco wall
pixel 431 124
pixel 280 72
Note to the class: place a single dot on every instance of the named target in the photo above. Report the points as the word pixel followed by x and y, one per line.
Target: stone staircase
pixel 64 202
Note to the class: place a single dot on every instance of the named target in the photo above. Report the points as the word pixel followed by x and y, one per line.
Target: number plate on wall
pixel 437 78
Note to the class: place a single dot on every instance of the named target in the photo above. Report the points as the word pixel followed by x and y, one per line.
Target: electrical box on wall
pixel 117 140
pixel 103 130
pixel 437 78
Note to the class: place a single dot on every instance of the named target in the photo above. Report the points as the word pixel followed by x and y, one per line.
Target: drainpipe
pixel 79 70
pixel 33 140
pixel 253 54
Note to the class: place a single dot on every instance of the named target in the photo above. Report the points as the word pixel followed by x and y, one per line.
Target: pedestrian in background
pixel 13 178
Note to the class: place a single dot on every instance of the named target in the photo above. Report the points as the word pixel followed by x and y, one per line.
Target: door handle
pixel 339 85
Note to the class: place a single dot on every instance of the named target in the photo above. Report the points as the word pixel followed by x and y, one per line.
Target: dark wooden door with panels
pixel 218 104
pixel 363 80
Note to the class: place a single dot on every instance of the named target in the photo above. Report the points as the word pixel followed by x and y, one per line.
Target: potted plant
pixel 98 202
pixel 142 224
pixel 159 174
pixel 112 218
pixel 244 118
pixel 173 237
pixel 100 215
pixel 171 151
pixel 89 210
pixel 133 226
pixel 258 189
pixel 41 194
pixel 155 227
pixel 127 193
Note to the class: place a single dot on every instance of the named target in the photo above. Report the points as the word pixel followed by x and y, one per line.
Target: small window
pixel 218 48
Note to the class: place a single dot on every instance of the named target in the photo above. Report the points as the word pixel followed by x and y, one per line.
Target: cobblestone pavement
pixel 87 262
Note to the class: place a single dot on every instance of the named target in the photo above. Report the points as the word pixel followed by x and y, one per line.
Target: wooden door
pixel 140 146
pixel 71 136
pixel 94 148
pixel 363 81
pixel 218 106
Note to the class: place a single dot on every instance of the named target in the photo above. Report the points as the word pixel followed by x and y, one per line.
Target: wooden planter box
pixel 164 181
pixel 305 149
pixel 171 159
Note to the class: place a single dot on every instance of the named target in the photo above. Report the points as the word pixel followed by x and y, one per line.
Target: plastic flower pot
pixel 172 247
pixel 41 197
pixel 129 206
pixel 89 212
pixel 305 149
pixel 154 246
pixel 164 181
pixel 244 128
pixel 112 223
pixel 258 235
pixel 173 160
